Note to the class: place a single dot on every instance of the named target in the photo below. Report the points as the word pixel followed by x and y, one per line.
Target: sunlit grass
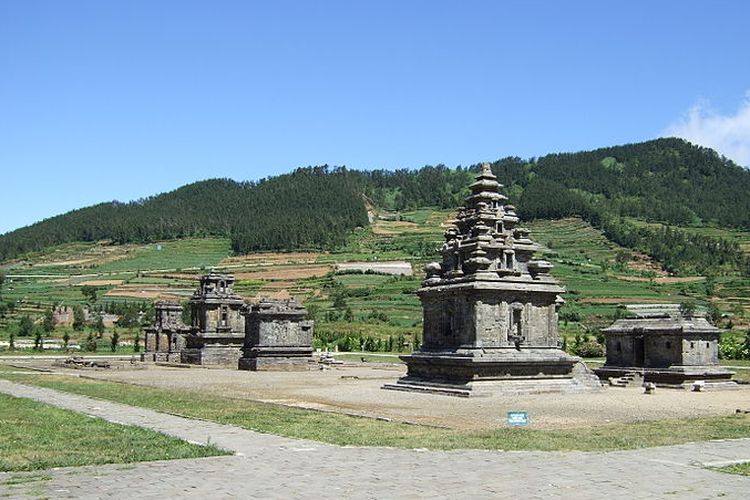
pixel 354 431
pixel 36 436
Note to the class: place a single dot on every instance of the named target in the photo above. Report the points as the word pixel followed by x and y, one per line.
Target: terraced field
pixel 598 274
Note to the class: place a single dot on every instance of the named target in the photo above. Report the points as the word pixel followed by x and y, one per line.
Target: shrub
pixel 25 326
pixel 588 349
pixel 38 340
pixel 90 344
pixel 734 346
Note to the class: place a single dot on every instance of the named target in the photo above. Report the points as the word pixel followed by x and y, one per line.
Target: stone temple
pixel 269 335
pixel 662 345
pixel 165 339
pixel 277 336
pixel 218 329
pixel 490 310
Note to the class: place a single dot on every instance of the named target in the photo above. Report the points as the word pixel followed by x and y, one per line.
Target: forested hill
pixel 667 180
pixel 664 180
pixel 311 207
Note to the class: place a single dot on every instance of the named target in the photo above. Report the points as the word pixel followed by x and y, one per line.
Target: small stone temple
pixel 165 339
pixel 490 309
pixel 218 329
pixel 664 346
pixel 277 336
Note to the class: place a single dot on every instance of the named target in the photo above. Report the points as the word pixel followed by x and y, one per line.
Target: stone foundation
pixel 278 360
pixel 499 371
pixel 675 377
pixel 212 355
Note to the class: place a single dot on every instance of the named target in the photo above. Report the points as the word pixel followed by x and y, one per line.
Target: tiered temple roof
pixel 485 242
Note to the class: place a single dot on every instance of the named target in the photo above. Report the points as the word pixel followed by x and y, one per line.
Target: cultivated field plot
pixel 599 275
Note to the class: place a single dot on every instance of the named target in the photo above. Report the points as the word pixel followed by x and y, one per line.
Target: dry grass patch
pixel 270 257
pixel 285 273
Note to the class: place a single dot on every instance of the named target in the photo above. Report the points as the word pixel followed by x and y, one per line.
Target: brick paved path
pixel 267 466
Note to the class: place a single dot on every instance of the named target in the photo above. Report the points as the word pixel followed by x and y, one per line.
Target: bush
pixel 38 340
pixel 25 326
pixel 588 349
pixel 734 346
pixel 570 312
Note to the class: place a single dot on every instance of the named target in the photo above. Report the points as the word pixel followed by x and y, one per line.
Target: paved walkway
pixel 267 466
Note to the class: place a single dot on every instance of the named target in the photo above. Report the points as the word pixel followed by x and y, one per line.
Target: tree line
pixel 311 207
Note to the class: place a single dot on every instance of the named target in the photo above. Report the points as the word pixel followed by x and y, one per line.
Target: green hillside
pixel 380 311
pixel 613 237
pixel 666 181
pixel 312 207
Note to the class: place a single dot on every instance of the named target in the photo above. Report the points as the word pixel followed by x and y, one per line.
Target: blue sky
pixel 122 100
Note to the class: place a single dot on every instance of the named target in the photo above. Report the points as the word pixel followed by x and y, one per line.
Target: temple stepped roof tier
pixel 484 243
pixel 217 289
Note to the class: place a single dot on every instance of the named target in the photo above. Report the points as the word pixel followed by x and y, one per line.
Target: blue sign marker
pixel 518 418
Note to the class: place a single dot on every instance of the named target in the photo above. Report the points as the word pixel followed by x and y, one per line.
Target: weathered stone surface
pixel 490 310
pixel 277 336
pixel 665 347
pixel 218 329
pixel 165 339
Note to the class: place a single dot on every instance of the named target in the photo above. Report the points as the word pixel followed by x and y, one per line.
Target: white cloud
pixel 727 134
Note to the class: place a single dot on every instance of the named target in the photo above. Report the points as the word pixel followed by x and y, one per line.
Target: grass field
pixel 355 431
pixel 35 436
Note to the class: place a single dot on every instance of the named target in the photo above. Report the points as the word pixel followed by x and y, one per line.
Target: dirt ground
pixel 356 389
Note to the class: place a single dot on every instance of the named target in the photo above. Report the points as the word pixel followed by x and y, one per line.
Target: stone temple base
pixel 676 377
pixel 223 355
pixel 280 359
pixel 501 371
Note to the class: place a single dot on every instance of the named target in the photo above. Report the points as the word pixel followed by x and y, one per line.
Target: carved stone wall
pixel 277 336
pixel 666 348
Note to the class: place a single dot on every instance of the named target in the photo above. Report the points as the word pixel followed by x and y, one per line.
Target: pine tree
pixel 49 321
pixel 25 326
pixel 79 319
pixel 99 325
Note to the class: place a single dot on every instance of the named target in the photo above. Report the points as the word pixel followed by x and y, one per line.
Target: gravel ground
pixel 356 389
